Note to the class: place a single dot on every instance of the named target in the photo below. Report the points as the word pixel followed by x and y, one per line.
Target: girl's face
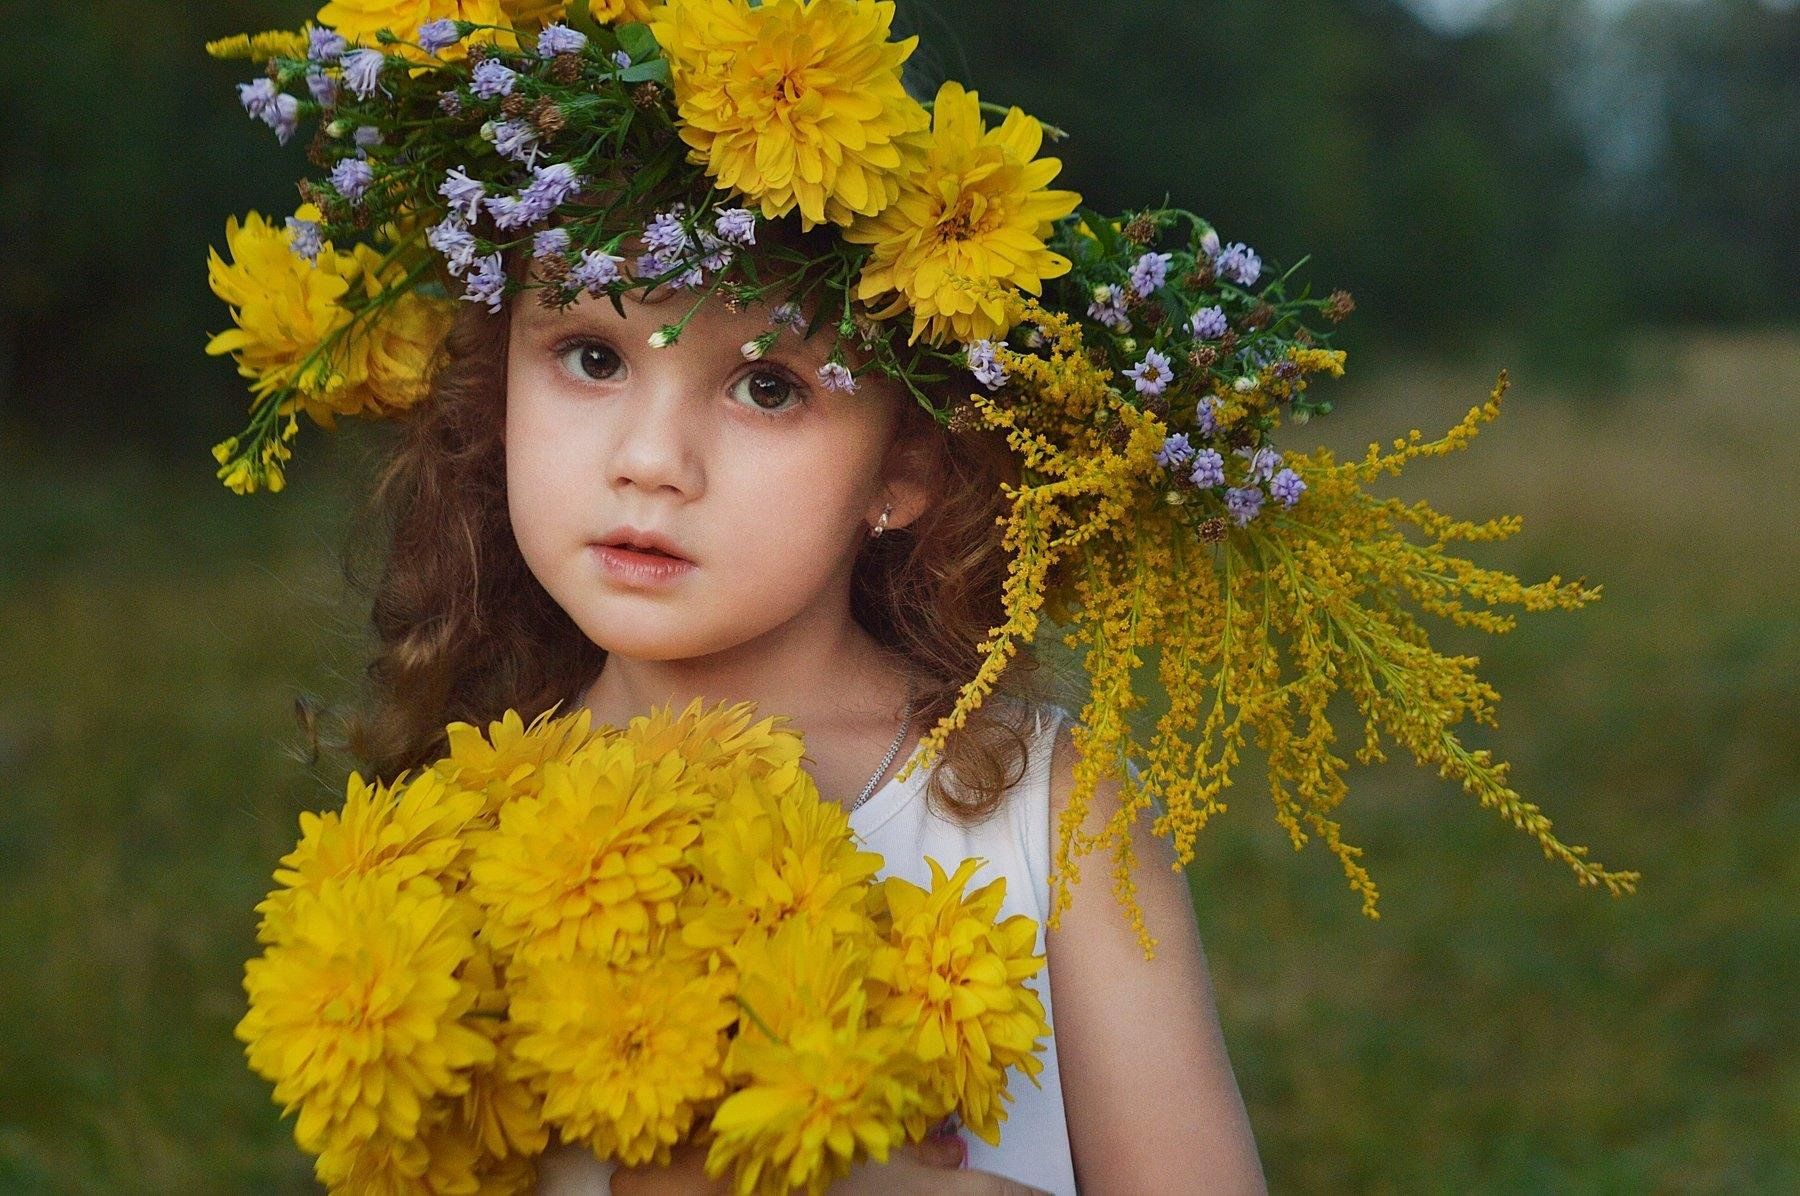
pixel 764 482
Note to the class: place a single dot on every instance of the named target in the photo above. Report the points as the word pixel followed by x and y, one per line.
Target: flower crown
pixel 1139 367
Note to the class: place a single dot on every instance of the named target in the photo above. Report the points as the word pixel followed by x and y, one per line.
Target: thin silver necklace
pixel 893 750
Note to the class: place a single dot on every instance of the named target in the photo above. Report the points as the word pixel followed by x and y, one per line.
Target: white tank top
pixel 1015 841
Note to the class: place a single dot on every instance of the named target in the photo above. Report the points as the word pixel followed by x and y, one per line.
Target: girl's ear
pixel 909 475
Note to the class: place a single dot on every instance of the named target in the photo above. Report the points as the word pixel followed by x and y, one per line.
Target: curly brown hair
pixel 463 630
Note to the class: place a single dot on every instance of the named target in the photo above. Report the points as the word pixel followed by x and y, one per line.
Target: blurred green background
pixel 1600 196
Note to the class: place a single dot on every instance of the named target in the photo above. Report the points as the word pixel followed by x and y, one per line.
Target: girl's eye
pixel 767 391
pixel 591 360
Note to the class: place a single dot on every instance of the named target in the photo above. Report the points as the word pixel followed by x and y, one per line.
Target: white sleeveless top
pixel 1015 842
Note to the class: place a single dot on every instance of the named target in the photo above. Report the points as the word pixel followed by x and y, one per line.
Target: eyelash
pixel 801 395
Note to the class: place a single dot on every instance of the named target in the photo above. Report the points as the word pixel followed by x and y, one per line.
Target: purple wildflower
pixel 1208 324
pixel 788 315
pixel 736 225
pixel 324 46
pixel 1149 273
pixel 1287 487
pixel 352 177
pixel 651 265
pixel 323 88
pixel 508 211
pixel 835 376
pixel 366 137
pixel 451 237
pixel 621 59
pixel 1108 308
pixel 304 239
pixel 560 39
pixel 488 282
pixel 1238 262
pixel 1209 243
pixel 1243 502
pixel 715 252
pixel 463 192
pixel 550 242
pixel 1263 463
pixel 1151 374
pixel 286 117
pixel 1209 468
pixel 1206 414
pixel 437 35
pixel 664 234
pixel 258 98
pixel 493 79
pixel 595 270
pixel 1175 451
pixel 984 363
pixel 552 186
pixel 362 71
pixel 518 140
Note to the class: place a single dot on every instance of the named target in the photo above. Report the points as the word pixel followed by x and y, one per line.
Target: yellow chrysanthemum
pixel 815 1084
pixel 618 12
pixel 409 831
pixel 720 744
pixel 956 985
pixel 626 1057
pixel 772 852
pixel 508 761
pixel 284 307
pixel 504 1116
pixel 794 103
pixel 390 359
pixel 359 20
pixel 356 1015
pixel 595 862
pixel 967 227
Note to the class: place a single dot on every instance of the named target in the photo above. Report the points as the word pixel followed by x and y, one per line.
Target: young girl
pixel 580 516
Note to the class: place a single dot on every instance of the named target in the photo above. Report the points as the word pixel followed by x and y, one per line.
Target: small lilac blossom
pixel 595 270
pixel 487 283
pixel 323 88
pixel 1151 374
pixel 1287 487
pixel 554 185
pixel 1206 414
pixel 1244 502
pixel 1108 308
pixel 286 117
pixel 304 239
pixel 451 237
pixel 621 59
pixel 560 39
pixel 324 46
pixel 509 211
pixel 1208 324
pixel 1174 451
pixel 788 315
pixel 463 192
pixel 692 277
pixel 1263 463
pixel 664 234
pixel 362 71
pixel 550 242
pixel 651 265
pixel 352 177
pixel 258 98
pixel 835 376
pixel 1149 273
pixel 493 79
pixel 1238 262
pixel 1209 468
pixel 984 363
pixel 715 252
pixel 736 225
pixel 1209 244
pixel 438 35
pixel 366 137
pixel 518 140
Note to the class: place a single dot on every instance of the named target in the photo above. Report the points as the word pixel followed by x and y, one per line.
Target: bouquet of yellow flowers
pixel 633 937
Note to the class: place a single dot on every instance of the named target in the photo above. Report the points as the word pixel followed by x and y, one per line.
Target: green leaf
pixel 580 17
pixel 655 70
pixel 638 41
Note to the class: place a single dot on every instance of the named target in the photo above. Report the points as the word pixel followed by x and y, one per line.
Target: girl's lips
pixel 640 568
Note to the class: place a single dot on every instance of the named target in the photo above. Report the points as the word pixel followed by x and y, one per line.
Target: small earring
pixel 881 526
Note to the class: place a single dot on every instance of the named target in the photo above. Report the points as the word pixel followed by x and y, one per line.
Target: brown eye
pixel 592 360
pixel 767 391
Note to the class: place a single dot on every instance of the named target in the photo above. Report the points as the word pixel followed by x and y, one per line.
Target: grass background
pixel 1498 1029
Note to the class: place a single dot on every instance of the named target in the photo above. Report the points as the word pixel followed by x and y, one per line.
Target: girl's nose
pixel 656 438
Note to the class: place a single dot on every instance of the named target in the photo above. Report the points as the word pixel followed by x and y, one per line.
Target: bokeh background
pixel 1600 196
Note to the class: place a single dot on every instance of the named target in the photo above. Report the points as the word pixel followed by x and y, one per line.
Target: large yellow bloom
pixel 794 103
pixel 814 1082
pixel 720 744
pixel 391 356
pixel 509 760
pixel 968 226
pixel 626 1057
pixel 410 831
pixel 356 1015
pixel 593 864
pixel 358 20
pixel 955 977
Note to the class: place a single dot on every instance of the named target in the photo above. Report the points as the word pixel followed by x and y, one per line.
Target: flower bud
pixel 338 128
pixel 751 351
pixel 663 337
pixel 488 132
pixel 1244 385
